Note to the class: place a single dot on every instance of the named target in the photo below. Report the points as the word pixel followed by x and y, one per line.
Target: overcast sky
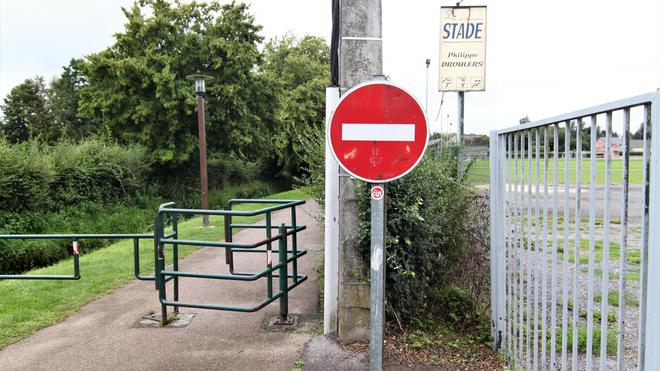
pixel 543 57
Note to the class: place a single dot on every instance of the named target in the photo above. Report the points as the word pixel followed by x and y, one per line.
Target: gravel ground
pixel 630 314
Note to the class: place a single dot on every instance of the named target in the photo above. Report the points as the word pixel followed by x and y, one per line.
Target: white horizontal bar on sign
pixel 378 132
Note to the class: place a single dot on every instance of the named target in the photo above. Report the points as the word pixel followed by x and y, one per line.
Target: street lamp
pixel 200 90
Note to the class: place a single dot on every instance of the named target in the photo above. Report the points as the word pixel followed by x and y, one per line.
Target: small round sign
pixel 377 193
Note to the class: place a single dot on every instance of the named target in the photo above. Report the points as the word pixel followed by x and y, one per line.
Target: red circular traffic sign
pixel 378 132
pixel 377 193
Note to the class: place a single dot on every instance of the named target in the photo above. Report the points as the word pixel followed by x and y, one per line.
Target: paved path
pixel 103 336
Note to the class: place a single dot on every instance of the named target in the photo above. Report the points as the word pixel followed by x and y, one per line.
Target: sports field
pixel 479 171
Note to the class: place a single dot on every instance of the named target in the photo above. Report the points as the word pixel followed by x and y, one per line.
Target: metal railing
pixel 285 256
pixel 161 238
pixel 75 252
pixel 549 307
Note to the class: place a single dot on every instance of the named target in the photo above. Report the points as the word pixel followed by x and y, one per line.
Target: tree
pixel 26 113
pixel 137 86
pixel 639 134
pixel 298 71
pixel 64 97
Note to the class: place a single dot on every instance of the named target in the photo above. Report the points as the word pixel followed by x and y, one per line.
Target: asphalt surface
pixel 104 335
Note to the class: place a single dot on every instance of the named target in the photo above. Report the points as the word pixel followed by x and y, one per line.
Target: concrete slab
pixel 103 335
pixel 323 353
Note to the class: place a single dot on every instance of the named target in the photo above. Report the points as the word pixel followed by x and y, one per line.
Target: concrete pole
pixel 331 256
pixel 360 58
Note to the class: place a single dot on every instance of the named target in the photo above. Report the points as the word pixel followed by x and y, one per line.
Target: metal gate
pixel 575 237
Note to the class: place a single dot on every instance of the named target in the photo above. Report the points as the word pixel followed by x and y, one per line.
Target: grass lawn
pixel 478 175
pixel 613 299
pixel 27 306
pixel 632 256
pixel 633 275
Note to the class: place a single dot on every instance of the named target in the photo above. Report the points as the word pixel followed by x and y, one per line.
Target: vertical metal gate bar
pixel 514 247
pixel 604 305
pixel 509 250
pixel 644 249
pixel 502 258
pixel 528 253
pixel 555 207
pixel 544 306
pixel 592 244
pixel 624 238
pixel 521 254
pixel 578 238
pixel 537 269
pixel 495 197
pixel 567 217
pixel 498 244
pixel 653 263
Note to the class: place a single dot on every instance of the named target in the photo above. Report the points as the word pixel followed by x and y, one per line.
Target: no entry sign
pixel 378 132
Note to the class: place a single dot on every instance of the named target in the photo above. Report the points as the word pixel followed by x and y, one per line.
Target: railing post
pixel 156 242
pixel 229 256
pixel 76 259
pixel 136 257
pixel 497 242
pixel 284 289
pixel 175 258
pixel 160 266
pixel 651 354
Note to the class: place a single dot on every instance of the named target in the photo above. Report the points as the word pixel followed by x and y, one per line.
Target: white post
pixel 651 353
pixel 497 242
pixel 331 267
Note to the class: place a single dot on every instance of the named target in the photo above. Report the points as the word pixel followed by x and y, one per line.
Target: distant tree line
pixel 263 103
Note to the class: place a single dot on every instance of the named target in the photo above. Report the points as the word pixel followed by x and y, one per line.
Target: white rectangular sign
pixel 462 48
pixel 378 132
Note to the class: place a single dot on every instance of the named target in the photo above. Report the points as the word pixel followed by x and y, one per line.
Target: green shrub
pixel 25 177
pixel 92 171
pixel 88 187
pixel 18 256
pixel 43 178
pixel 426 218
pixel 225 169
pixel 253 190
pixel 456 306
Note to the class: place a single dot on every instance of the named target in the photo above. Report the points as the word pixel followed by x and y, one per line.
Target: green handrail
pixel 75 251
pixel 162 239
pixel 286 256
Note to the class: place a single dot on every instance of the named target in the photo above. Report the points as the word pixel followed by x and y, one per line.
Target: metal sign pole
pixel 378 217
pixel 461 121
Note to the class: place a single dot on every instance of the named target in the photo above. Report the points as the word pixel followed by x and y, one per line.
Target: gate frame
pixel 649 316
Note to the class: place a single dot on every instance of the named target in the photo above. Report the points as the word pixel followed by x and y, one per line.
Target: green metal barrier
pixel 161 239
pixel 76 250
pixel 285 256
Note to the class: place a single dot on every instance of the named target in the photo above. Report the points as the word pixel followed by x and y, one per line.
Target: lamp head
pixel 200 82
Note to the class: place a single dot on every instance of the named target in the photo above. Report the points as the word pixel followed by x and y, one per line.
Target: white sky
pixel 543 57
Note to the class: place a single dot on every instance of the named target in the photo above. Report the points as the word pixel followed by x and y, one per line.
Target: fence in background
pixel 575 240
